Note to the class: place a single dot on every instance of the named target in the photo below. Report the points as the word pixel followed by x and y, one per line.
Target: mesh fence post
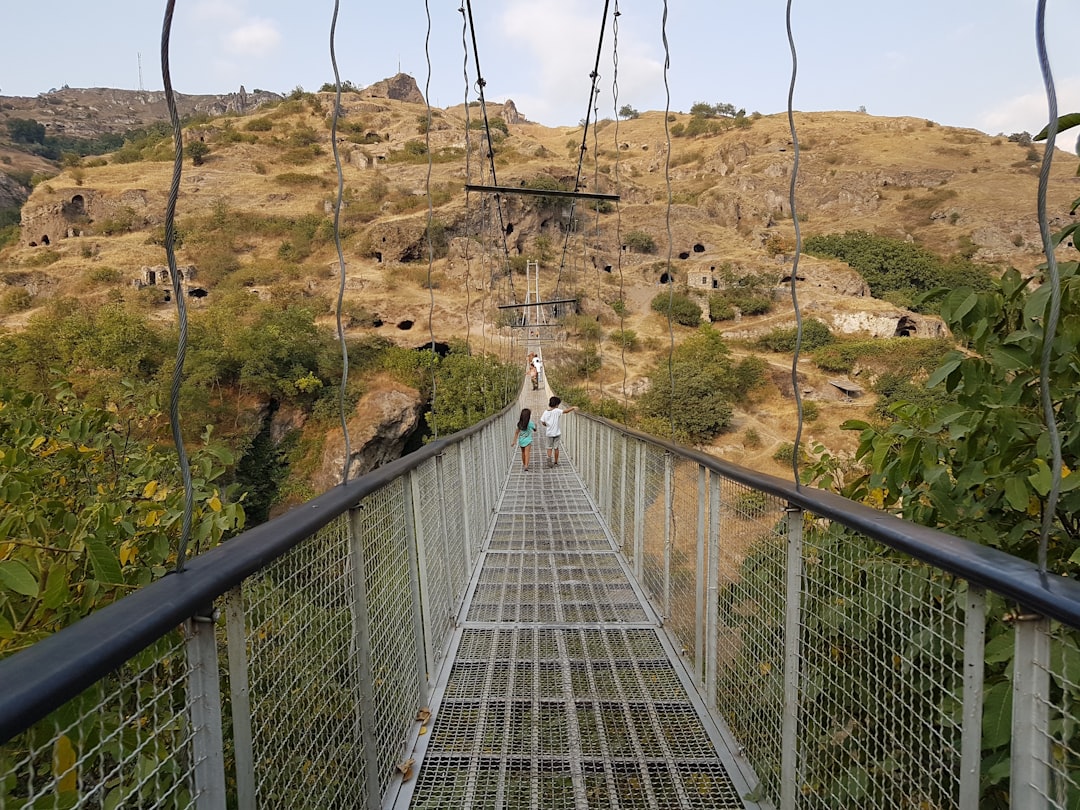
pixel 420 636
pixel 700 576
pixel 971 730
pixel 607 474
pixel 204 698
pixel 789 730
pixel 669 522
pixel 362 652
pixel 1030 773
pixel 236 633
pixel 639 514
pixel 712 619
pixel 419 547
pixel 623 466
pixel 444 536
pixel 466 516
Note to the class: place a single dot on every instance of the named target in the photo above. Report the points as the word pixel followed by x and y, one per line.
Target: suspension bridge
pixel 643 626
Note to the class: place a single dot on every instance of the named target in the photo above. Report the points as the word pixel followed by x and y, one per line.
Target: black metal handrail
pixel 1057 597
pixel 43 677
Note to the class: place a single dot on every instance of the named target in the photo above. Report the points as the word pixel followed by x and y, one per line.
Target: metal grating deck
pixel 563 692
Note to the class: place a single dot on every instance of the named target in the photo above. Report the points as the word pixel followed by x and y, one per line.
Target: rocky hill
pixel 269 176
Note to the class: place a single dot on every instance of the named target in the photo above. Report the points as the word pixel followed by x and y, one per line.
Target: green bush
pixel 898 271
pixel 815 334
pixel 17 299
pixel 626 339
pixel 720 308
pixel 262 124
pixel 681 308
pixel 105 275
pixel 640 242
pixel 300 179
pixel 697 389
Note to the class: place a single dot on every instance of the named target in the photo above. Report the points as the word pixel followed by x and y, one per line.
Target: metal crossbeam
pixel 542 192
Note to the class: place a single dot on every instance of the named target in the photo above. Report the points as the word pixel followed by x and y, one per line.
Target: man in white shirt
pixel 553 431
pixel 538 364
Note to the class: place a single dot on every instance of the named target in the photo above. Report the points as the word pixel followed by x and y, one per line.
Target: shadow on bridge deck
pixel 561 689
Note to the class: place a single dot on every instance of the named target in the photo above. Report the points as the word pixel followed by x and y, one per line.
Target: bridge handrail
pixel 1056 597
pixel 35 682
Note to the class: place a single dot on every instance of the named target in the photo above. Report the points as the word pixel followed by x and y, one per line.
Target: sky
pixel 965 63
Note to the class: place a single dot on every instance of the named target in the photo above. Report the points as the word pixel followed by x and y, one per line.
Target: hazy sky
pixel 969 63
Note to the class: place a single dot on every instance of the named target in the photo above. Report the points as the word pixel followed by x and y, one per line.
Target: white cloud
pixel 257 37
pixel 1028 112
pixel 556 42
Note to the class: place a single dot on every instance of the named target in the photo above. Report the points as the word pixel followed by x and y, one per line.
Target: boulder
pixel 384 419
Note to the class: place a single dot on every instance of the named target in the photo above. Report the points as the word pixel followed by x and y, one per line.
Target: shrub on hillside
pixel 682 309
pixel 815 334
pixel 640 242
pixel 898 271
pixel 697 390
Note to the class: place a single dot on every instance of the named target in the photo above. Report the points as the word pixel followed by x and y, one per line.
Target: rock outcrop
pixel 401 87
pixel 384 418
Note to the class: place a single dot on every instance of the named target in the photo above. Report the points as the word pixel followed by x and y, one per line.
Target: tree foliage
pixel 88 511
pixel 698 387
pixel 469 387
pixel 26 130
pixel 899 271
pixel 681 307
pixel 640 242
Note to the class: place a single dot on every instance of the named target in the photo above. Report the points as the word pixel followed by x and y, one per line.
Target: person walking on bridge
pixel 523 436
pixel 550 420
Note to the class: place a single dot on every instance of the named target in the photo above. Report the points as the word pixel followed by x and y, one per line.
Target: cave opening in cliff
pixel 905 327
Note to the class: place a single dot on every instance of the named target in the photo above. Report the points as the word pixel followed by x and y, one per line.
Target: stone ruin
pixel 158 275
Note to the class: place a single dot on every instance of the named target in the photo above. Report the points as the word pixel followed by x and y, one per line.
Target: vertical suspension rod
pixel 594 76
pixel 490 150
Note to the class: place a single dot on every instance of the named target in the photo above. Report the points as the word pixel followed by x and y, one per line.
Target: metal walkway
pixel 560 689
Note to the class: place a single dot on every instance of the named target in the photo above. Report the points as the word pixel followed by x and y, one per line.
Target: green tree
pixel 640 242
pixel 197 151
pixel 626 111
pixel 26 130
pixel 707 383
pixel 90 512
pixel 469 387
pixel 681 307
pixel 898 271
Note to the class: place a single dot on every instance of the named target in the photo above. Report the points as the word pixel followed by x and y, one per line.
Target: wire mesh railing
pixel 856 660
pixel 310 691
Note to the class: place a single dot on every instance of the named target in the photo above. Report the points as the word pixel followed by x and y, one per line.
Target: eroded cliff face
pixel 382 422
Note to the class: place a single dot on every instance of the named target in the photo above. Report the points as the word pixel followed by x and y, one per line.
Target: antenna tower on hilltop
pixel 140 71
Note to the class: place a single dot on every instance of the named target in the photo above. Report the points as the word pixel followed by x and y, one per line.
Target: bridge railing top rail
pixel 1051 595
pixel 42 677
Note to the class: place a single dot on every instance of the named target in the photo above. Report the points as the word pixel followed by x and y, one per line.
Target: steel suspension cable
pixel 618 190
pixel 1051 322
pixel 468 180
pixel 430 219
pixel 596 238
pixel 798 250
pixel 177 291
pixel 667 221
pixel 593 92
pixel 480 84
pixel 340 252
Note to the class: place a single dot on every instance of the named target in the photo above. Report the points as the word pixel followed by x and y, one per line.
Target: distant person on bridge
pixel 550 419
pixel 538 364
pixel 523 437
pixel 534 375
